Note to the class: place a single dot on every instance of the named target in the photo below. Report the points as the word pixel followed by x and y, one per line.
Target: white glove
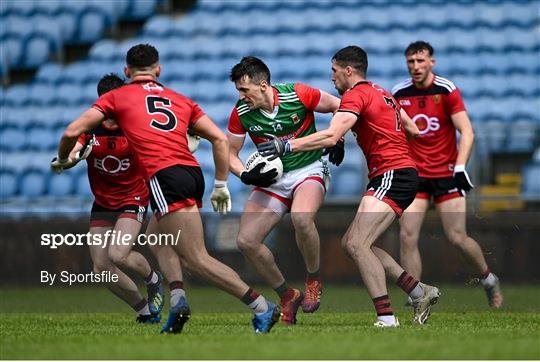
pixel 58 165
pixel 86 150
pixel 221 197
pixel 193 141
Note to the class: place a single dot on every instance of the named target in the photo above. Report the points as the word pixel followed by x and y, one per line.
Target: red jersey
pixel 155 120
pixel 378 128
pixel 435 149
pixel 115 175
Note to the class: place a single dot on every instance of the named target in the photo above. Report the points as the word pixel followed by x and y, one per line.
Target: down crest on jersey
pixel 431 108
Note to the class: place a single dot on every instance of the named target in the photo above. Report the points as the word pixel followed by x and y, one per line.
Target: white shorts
pixel 278 197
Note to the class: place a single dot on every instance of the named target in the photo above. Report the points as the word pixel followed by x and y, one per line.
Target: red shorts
pixel 438 189
pixel 102 216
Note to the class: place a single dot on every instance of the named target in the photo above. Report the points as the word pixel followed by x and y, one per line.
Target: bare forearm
pixel 465 148
pixel 315 141
pixel 220 149
pixel 235 164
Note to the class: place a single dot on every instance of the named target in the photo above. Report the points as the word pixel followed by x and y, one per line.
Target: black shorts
pixel 176 187
pixel 102 216
pixel 397 188
pixel 440 189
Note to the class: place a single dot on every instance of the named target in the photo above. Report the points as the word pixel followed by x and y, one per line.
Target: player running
pixel 436 106
pixel 285 110
pixel 121 198
pixel 155 120
pixel 375 119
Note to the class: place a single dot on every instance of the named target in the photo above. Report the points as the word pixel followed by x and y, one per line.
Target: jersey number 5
pixel 389 101
pixel 157 105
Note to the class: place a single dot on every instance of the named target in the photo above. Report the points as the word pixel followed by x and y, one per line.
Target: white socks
pixel 176 294
pixel 144 310
pixel 154 278
pixel 388 319
pixel 417 292
pixel 489 281
pixel 259 305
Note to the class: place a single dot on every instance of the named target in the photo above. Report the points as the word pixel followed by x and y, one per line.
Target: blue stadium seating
pixel 60 185
pixel 33 183
pixel 8 183
pixel 531 182
pixel 489 49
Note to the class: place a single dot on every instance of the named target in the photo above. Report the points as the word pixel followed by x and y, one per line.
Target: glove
pixel 58 165
pixel 461 177
pixel 274 148
pixel 221 197
pixel 86 150
pixel 336 153
pixel 256 178
pixel 193 141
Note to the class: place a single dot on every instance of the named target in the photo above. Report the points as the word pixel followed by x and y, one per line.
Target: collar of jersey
pixel 276 106
pixel 146 81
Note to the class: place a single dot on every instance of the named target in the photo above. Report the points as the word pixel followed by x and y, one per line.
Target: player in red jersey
pixel 155 120
pixel 436 106
pixel 121 198
pixel 375 119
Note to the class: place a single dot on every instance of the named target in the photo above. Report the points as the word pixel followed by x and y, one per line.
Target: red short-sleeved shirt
pixel 114 173
pixel 155 120
pixel 435 150
pixel 378 128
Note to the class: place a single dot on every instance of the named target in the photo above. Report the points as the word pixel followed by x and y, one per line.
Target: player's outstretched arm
pixel 410 127
pixel 87 121
pixel 207 129
pixel 220 198
pixel 339 125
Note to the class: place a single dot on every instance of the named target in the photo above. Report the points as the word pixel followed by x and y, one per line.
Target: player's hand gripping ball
pixel 260 171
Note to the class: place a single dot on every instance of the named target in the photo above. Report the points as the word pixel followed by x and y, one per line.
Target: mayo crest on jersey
pixel 114 173
pixel 435 149
pixel 155 120
pixel 292 118
pixel 378 128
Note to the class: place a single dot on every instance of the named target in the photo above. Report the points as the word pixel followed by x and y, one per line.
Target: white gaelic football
pixel 256 158
pixel 193 142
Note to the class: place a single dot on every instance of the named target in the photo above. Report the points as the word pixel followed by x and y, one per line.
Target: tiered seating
pixel 32 30
pixel 489 49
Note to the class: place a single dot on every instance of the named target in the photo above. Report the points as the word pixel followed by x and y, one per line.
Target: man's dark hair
pixel 109 82
pixel 142 55
pixel 251 66
pixel 353 56
pixel 419 46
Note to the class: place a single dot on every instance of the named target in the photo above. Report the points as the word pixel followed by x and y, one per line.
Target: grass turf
pixel 89 323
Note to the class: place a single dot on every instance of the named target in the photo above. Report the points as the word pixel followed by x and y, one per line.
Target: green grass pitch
pixel 89 323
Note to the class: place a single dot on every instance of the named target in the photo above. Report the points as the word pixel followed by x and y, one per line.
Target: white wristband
pixel 220 182
pixel 459 168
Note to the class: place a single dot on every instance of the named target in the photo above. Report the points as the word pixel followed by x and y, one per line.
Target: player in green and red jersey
pixel 286 111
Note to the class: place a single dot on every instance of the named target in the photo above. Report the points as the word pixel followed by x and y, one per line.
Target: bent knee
pixel 247 244
pixel 302 221
pixel 457 238
pixel 103 266
pixel 117 257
